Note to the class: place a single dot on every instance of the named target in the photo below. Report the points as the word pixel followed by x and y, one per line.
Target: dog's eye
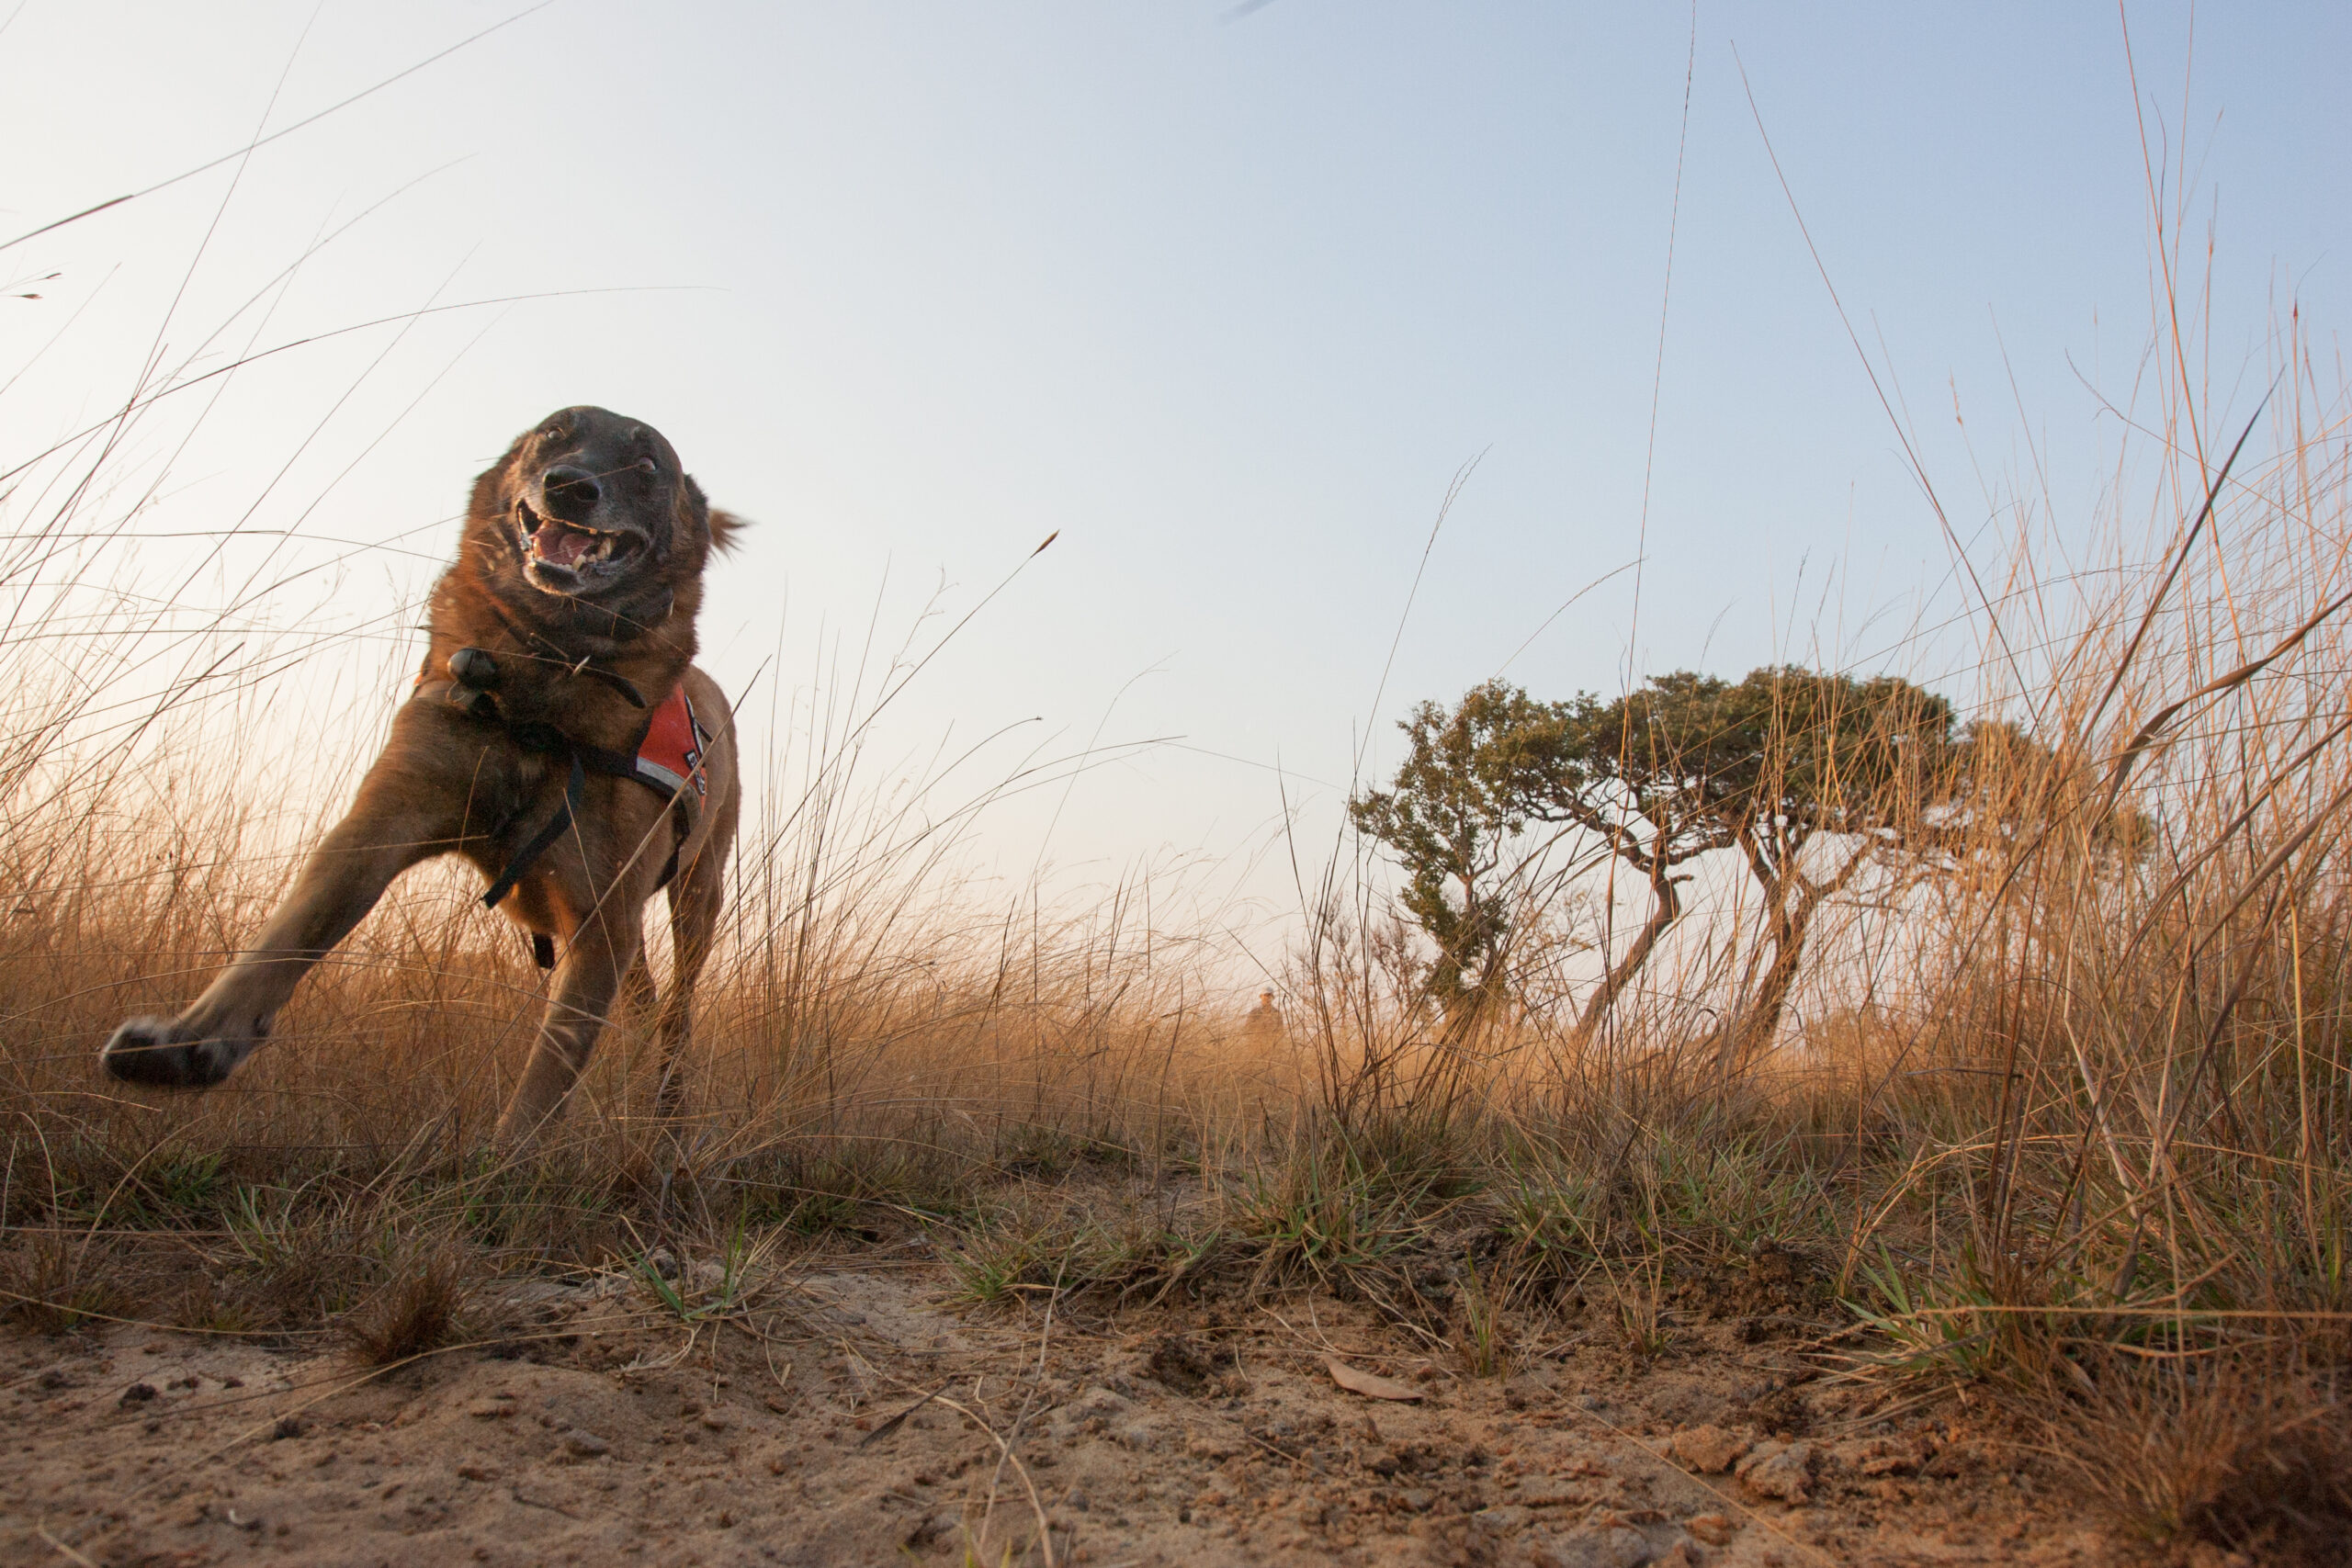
pixel 645 465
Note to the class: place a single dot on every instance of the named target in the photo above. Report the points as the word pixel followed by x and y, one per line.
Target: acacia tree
pixel 1786 759
pixel 1644 808
pixel 1458 801
pixel 1771 766
pixel 1475 778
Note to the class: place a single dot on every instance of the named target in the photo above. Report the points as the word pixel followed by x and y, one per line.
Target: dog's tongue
pixel 562 546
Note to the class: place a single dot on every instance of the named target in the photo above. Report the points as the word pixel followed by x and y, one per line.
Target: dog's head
pixel 593 507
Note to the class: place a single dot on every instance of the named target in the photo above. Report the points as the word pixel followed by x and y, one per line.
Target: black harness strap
pixel 538 843
pixel 475 673
pixel 585 758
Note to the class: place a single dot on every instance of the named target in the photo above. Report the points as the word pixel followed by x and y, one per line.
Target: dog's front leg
pixel 598 953
pixel 386 832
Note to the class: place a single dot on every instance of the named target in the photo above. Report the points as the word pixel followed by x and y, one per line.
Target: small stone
pixel 1716 1530
pixel 477 1473
pixel 1615 1546
pixel 1501 1518
pixel 489 1409
pixel 1624 1548
pixel 715 1420
pixel 1099 1402
pixel 138 1393
pixel 1140 1436
pixel 1778 1469
pixel 1710 1451
pixel 933 1527
pixel 1884 1458
pixel 587 1445
pixel 1419 1499
pixel 1076 1501
pixel 1551 1492
pixel 286 1426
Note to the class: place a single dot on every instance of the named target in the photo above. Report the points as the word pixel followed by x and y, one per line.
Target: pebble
pixel 1778 1469
pixel 1716 1530
pixel 1616 1547
pixel 1551 1492
pixel 1711 1451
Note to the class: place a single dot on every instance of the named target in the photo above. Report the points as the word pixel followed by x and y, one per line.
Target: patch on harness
pixel 670 756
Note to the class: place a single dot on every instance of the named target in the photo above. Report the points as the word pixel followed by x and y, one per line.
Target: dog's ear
pixel 724 528
pixel 721 526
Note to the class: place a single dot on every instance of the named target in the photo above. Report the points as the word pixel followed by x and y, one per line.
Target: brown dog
pixel 532 745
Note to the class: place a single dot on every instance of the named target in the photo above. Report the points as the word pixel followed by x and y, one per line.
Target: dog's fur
pixel 586 542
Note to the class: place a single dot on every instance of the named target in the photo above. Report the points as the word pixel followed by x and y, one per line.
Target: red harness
pixel 670 757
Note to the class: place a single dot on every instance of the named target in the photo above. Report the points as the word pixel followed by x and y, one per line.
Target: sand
pixel 794 1428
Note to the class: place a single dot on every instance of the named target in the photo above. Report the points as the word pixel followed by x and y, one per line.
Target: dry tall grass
pixel 2067 1118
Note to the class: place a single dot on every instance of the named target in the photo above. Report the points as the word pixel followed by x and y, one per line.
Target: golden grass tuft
pixel 2247 1450
pixel 419 1306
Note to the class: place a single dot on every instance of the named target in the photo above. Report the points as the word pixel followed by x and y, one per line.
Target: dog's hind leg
pixel 694 899
pixel 638 996
pixel 391 826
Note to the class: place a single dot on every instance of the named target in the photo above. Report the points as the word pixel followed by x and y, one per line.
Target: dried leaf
pixel 1372 1385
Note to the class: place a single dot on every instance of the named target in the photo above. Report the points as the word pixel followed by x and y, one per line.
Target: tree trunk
pixel 1792 923
pixel 1666 908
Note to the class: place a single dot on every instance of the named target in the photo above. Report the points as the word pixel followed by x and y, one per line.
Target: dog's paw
pixel 151 1051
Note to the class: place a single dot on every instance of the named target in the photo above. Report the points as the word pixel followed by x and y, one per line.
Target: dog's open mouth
pixel 552 542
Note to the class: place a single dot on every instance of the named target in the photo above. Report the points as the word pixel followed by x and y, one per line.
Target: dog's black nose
pixel 570 489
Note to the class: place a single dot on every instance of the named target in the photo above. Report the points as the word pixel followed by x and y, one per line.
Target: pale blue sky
pixel 1228 302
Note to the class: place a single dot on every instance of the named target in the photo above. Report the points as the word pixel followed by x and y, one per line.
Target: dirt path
pixel 610 1431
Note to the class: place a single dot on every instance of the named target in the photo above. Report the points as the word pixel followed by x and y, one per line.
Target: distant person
pixel 1262 1024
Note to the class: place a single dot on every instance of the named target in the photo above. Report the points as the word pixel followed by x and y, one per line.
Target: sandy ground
pixel 793 1429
